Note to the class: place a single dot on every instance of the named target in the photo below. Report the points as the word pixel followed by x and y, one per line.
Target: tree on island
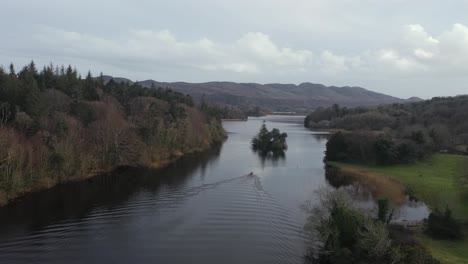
pixel 269 141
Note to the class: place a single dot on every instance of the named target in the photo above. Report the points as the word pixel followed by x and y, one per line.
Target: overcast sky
pixel 401 48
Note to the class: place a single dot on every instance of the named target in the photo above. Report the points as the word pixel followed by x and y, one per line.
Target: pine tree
pixel 12 69
pixel 89 90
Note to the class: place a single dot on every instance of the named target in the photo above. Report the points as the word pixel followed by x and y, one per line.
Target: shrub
pixel 443 226
pixel 346 234
pixel 24 123
pixel 412 251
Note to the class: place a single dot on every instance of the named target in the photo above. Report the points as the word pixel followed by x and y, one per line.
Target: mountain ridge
pixel 275 96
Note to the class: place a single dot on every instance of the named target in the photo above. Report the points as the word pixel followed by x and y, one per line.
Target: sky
pixel 401 48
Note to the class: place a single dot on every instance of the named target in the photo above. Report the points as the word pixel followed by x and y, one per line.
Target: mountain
pixel 414 99
pixel 107 78
pixel 279 97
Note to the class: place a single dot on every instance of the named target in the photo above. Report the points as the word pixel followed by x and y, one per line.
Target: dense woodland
pixel 214 107
pixel 231 112
pixel 397 133
pixel 227 112
pixel 57 126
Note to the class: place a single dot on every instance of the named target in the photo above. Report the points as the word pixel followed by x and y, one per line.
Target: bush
pixel 346 234
pixel 443 226
pixel 413 252
pixel 24 123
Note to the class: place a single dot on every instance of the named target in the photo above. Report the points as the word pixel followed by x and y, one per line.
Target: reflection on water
pixel 321 136
pixel 365 195
pixel 75 200
pixel 336 179
pixel 271 159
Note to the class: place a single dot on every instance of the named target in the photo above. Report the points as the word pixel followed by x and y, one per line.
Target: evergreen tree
pixel 267 141
pixel 89 89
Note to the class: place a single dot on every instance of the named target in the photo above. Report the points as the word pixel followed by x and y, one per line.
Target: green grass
pixel 439 181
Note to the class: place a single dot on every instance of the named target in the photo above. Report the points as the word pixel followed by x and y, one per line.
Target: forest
pixel 396 133
pixel 56 126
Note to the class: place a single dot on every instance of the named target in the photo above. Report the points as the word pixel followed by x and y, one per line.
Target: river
pixel 204 208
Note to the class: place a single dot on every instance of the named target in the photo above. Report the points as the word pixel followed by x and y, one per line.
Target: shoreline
pixel 233 119
pixel 380 185
pixel 43 186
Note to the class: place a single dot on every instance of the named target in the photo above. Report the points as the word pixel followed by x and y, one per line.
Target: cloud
pixel 416 36
pixel 454 47
pixel 422 54
pixel 234 67
pixel 259 57
pixel 419 54
pixel 251 53
pixel 331 63
pixel 394 60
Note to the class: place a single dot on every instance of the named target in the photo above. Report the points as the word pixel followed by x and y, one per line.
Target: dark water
pixel 202 209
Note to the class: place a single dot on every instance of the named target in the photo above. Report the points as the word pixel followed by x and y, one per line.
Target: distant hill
pixel 414 99
pixel 107 78
pixel 278 97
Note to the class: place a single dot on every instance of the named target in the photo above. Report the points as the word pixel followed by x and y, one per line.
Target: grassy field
pixel 439 181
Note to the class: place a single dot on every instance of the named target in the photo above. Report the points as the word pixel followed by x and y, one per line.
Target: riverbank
pixel 7 198
pixel 379 185
pixel 233 119
pixel 439 181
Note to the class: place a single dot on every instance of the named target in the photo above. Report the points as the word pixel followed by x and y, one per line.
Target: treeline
pixel 256 111
pixel 443 117
pixel 223 112
pixel 378 148
pixel 56 126
pixel 231 112
pixel 397 133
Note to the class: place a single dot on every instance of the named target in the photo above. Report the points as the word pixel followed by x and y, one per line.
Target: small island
pixel 269 141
